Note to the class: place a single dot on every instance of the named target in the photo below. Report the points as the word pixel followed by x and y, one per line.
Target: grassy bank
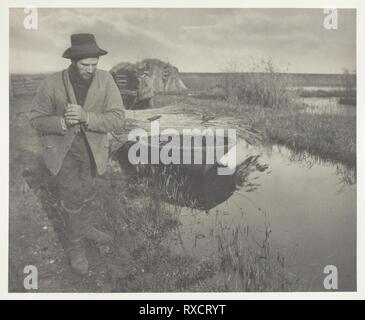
pixel 264 101
pixel 329 137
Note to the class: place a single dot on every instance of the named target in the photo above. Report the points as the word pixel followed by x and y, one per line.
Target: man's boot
pixel 76 227
pixel 77 257
pixel 92 233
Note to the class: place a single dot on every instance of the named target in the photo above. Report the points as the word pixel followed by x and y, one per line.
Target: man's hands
pixel 75 114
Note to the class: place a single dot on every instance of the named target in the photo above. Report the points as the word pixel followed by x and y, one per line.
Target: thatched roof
pixel 165 77
pixel 123 66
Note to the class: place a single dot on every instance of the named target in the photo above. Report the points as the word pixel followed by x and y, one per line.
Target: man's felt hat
pixel 83 45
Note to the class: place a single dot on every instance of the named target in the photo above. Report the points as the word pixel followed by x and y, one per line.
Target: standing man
pixel 73 111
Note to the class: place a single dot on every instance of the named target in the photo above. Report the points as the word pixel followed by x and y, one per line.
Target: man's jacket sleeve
pixel 42 114
pixel 112 119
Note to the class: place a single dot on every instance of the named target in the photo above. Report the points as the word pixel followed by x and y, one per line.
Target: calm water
pixel 311 211
pixel 328 106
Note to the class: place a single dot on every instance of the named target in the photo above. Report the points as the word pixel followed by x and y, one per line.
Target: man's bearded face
pixel 87 67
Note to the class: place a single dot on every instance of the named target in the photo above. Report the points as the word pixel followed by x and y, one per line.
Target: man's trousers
pixel 76 188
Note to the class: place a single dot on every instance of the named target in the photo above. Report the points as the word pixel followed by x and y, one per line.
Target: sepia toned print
pixel 182 150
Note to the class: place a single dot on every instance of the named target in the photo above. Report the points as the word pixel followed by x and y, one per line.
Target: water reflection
pixel 181 185
pixel 346 174
pixel 200 186
pixel 310 203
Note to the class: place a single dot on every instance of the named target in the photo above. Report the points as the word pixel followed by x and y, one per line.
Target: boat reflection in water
pixel 196 186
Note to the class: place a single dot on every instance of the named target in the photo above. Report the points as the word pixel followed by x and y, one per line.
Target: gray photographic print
pixel 182 150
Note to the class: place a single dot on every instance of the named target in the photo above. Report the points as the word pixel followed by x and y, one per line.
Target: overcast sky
pixel 194 40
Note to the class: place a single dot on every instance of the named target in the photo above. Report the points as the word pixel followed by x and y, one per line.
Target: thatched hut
pixel 164 76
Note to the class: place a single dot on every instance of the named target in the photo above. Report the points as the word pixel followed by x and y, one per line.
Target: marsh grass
pixel 265 84
pixel 264 101
pixel 331 137
pixel 249 264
